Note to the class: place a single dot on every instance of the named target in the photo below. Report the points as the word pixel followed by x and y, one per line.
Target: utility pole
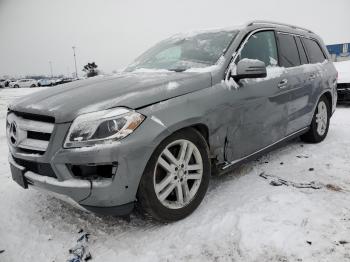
pixel 75 62
pixel 51 69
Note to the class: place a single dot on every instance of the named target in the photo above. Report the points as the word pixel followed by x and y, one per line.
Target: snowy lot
pixel 242 218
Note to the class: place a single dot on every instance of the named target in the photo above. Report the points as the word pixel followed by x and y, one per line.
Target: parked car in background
pixel 60 81
pixel 2 83
pixel 45 82
pixel 343 86
pixel 10 81
pixel 7 82
pixel 24 83
pixel 189 106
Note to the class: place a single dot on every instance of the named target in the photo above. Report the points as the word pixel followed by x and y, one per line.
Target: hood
pixel 132 90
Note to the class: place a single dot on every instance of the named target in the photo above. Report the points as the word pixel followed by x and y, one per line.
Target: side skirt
pixel 231 165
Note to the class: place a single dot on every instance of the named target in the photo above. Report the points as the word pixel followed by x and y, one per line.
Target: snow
pixel 71 183
pixel 274 71
pixel 194 33
pixel 242 217
pixel 172 85
pixel 203 69
pixel 343 69
pixel 148 70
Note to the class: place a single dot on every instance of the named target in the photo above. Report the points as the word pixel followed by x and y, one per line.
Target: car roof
pixel 283 27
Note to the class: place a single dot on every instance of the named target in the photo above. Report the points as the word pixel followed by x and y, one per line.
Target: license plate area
pixel 18 176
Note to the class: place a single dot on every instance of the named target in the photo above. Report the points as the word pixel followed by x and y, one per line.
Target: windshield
pixel 182 53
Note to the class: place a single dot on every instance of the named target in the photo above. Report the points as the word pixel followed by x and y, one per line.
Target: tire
pixel 16 86
pixel 171 208
pixel 33 86
pixel 317 133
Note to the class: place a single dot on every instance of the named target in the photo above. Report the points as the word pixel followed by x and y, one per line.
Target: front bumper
pixel 113 195
pixel 76 189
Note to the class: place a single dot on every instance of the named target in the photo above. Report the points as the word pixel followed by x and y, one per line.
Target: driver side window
pixel 261 46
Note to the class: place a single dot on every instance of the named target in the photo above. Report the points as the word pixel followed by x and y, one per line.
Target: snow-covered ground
pixel 242 218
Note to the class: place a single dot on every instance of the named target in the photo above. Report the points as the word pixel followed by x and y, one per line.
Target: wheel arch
pixel 328 96
pixel 203 130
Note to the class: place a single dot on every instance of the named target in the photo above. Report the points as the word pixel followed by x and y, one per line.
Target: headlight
pixel 102 127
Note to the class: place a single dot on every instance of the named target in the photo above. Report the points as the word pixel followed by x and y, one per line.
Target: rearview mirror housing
pixel 250 68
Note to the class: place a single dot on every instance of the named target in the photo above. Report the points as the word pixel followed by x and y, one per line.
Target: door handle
pixel 283 83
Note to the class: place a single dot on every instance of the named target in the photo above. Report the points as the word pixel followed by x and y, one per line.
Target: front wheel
pixel 176 177
pixel 320 122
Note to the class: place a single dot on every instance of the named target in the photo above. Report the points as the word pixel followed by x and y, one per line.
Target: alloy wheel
pixel 178 174
pixel 321 118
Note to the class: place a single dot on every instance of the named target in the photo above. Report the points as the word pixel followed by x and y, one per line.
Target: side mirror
pixel 250 68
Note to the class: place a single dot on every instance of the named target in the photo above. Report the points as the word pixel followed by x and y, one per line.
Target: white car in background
pixel 24 83
pixel 46 82
pixel 343 86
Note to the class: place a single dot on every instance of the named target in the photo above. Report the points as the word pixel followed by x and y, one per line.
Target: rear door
pixel 322 73
pixel 292 57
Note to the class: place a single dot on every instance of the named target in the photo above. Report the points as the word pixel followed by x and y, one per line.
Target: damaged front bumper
pixel 72 172
pixel 77 189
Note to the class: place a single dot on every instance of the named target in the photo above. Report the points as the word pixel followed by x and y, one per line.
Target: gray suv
pixel 191 106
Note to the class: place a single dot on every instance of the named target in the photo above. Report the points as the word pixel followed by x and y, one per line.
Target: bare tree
pixel 91 69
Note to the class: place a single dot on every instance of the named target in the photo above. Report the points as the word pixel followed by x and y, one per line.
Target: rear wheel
pixel 320 122
pixel 33 85
pixel 16 86
pixel 176 177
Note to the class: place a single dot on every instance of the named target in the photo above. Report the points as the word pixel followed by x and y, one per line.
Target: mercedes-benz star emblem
pixel 13 133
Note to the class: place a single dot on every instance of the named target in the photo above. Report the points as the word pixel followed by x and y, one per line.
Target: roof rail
pixel 276 23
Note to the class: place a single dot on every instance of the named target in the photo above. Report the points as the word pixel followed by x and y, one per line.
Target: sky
pixel 114 32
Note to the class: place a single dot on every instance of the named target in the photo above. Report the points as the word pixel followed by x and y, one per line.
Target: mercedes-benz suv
pixel 191 106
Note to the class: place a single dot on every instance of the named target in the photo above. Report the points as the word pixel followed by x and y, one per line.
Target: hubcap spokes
pixel 321 118
pixel 178 174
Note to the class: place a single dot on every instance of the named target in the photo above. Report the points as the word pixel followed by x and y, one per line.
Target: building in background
pixel 339 52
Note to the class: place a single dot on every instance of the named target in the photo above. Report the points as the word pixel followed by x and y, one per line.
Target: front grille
pixel 42 169
pixel 29 133
pixel 35 117
pixel 38 135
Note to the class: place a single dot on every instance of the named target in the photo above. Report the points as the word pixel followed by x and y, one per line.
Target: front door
pixel 260 104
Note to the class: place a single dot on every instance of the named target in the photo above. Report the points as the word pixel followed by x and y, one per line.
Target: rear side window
pixel 314 51
pixel 261 46
pixel 288 51
pixel 303 57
